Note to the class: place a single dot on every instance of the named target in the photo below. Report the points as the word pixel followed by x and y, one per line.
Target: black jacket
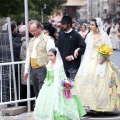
pixel 67 44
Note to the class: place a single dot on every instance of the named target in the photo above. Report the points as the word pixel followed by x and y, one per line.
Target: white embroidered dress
pixel 96 84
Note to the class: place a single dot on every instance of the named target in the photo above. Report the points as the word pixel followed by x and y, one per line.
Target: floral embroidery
pixel 41 56
pixel 112 81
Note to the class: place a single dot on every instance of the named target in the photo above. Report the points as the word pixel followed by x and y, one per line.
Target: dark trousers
pixel 23 95
pixel 71 73
pixel 5 83
pixel 38 76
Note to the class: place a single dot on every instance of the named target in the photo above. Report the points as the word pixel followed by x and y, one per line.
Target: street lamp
pixel 44 7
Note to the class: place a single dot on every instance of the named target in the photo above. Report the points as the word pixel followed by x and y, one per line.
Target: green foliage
pixel 15 8
pixel 11 7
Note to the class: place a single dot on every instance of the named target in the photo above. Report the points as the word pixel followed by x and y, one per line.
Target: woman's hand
pixel 76 52
pixel 102 60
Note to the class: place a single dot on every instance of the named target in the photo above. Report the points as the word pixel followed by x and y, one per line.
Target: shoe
pixel 93 112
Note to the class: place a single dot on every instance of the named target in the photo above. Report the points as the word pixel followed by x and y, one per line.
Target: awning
pixel 75 3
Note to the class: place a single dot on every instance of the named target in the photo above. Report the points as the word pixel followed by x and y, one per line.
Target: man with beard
pixel 69 41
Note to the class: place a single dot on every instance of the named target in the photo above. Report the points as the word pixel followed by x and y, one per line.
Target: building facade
pixel 108 10
pixel 77 9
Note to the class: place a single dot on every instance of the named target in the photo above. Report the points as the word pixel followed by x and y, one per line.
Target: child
pixel 52 103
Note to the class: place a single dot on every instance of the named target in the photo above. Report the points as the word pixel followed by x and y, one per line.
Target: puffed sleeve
pixel 48 79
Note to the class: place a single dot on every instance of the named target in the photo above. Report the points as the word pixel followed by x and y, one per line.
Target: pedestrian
pixel 84 31
pixel 108 29
pixel 52 31
pixel 5 57
pixel 37 55
pixel 23 83
pixel 68 41
pixel 96 78
pixel 51 103
pixel 113 36
pixel 14 29
pixel 17 43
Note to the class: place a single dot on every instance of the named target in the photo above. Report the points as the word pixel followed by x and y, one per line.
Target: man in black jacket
pixel 69 41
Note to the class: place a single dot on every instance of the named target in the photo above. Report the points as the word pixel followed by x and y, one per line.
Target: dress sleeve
pixel 27 61
pixel 81 44
pixel 46 79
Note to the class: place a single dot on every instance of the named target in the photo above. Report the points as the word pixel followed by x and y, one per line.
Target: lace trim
pixel 58 116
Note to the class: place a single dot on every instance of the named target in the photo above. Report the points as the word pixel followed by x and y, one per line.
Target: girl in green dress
pixel 52 103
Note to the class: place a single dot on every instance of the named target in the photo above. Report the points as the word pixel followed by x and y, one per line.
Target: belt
pixel 38 67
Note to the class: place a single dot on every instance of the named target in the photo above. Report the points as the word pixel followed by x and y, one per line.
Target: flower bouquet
pixel 104 50
pixel 67 84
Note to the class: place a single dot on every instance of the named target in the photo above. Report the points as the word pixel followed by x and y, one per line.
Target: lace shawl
pixel 89 50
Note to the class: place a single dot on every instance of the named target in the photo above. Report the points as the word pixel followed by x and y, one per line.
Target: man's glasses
pixel 32 31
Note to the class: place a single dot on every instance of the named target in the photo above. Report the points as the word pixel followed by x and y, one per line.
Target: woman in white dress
pixel 83 32
pixel 96 82
pixel 113 36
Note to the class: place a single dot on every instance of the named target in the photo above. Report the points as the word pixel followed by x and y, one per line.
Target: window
pixel 105 11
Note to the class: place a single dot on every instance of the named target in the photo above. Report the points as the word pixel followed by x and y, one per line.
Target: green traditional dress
pixel 51 103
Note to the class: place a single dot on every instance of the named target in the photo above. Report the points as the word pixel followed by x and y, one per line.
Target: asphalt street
pixel 116 60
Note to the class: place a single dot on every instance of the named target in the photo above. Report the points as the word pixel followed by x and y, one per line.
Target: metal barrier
pixel 9 85
pixel 12 91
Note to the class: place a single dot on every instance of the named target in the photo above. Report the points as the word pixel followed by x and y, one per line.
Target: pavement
pixel 89 116
pixel 23 116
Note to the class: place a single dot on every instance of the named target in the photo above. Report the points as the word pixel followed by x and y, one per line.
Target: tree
pixel 16 7
pixel 11 7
